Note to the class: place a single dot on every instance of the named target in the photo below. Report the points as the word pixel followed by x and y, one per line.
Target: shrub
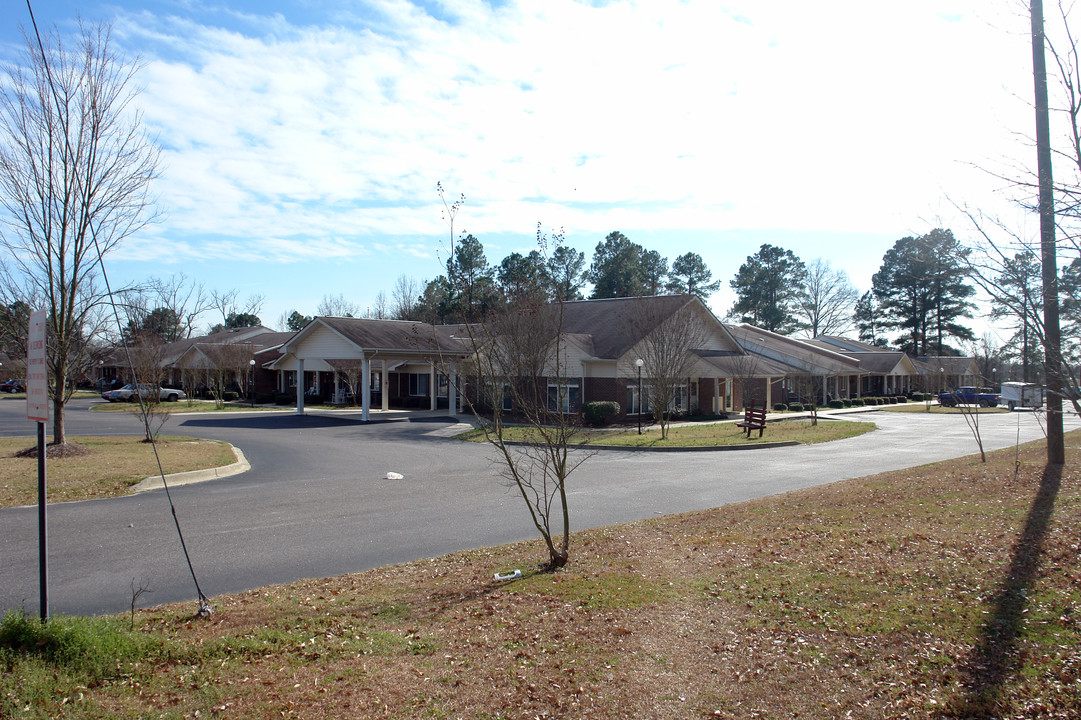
pixel 900 399
pixel 780 407
pixel 600 412
pixel 847 403
pixel 284 399
pixel 836 404
pixel 857 402
pixel 795 407
pixel 264 398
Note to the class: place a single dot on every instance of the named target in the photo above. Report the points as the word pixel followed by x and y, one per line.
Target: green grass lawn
pixel 935 408
pixel 706 434
pixel 187 406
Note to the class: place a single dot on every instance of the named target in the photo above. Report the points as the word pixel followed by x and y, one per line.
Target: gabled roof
pixel 607 321
pixel 847 344
pixel 799 354
pixel 370 334
pixel 885 362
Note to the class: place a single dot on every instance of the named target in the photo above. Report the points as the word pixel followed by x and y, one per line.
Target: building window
pixel 442 385
pixel 636 404
pixel 563 395
pixel 418 384
pixel 508 402
pixel 376 377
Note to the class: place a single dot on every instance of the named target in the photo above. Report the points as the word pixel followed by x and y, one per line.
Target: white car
pixel 128 393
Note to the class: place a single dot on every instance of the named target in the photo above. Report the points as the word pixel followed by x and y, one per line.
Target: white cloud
pixel 660 115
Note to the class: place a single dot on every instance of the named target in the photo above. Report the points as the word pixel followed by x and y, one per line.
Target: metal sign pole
pixel 43 554
pixel 37 408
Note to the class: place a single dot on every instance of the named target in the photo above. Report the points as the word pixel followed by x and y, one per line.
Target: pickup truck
pixel 984 397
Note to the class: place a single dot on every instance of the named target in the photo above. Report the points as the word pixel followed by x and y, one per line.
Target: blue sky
pixel 303 140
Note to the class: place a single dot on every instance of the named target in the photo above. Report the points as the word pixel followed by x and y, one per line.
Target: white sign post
pixel 37 408
pixel 37 374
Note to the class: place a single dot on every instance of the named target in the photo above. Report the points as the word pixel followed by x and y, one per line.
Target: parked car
pixel 130 392
pixel 12 386
pixel 984 397
pixel 1019 394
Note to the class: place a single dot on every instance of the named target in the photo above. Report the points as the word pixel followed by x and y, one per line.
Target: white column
pixel 769 393
pixel 431 382
pixel 384 387
pixel 366 387
pixel 300 386
pixel 452 392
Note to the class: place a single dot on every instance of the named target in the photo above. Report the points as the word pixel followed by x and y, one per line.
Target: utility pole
pixel 1056 449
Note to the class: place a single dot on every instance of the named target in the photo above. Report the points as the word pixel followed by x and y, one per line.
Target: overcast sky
pixel 303 140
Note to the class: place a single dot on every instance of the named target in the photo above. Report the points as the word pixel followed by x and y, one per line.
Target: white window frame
pixel 568 394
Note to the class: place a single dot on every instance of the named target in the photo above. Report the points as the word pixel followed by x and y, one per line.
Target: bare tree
pixel 234 312
pixel 352 372
pixel 230 363
pixel 404 298
pixel 517 366
pixel 337 306
pixel 520 369
pixel 381 307
pixel 996 270
pixel 666 351
pixel 75 172
pixel 185 297
pixel 146 355
pixel 827 300
pixel 807 387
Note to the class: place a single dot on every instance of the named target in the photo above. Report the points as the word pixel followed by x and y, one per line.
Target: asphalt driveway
pixel 317 502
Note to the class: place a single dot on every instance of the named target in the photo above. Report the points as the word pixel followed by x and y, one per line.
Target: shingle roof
pixel 757 340
pixel 401 335
pixel 607 320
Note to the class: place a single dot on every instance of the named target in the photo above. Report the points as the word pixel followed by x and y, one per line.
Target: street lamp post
pixel 251 380
pixel 638 364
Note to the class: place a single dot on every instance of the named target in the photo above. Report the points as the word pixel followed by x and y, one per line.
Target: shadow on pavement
pixel 291 421
pixel 994 658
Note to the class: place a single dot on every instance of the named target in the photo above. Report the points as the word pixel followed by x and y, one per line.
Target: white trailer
pixel 1019 394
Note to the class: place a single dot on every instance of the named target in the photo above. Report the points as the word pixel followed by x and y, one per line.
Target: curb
pixel 154 482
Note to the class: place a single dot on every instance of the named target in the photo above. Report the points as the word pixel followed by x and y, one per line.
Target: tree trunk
pixel 59 437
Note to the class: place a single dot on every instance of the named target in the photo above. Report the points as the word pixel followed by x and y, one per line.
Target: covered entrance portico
pixel 404 364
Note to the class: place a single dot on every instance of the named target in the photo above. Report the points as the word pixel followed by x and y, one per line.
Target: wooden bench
pixel 753 419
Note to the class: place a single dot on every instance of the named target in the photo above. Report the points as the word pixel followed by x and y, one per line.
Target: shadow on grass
pixel 994 658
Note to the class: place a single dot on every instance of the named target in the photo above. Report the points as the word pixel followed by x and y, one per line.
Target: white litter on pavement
pixel 394 476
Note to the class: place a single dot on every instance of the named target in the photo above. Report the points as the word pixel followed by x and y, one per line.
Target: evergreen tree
pixel 472 280
pixel 522 276
pixel 768 287
pixel 1020 304
pixel 566 273
pixel 654 272
pixel 866 320
pixel 296 321
pixel 690 276
pixel 617 268
pixel 922 290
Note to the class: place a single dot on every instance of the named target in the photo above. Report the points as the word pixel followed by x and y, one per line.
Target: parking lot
pixel 317 502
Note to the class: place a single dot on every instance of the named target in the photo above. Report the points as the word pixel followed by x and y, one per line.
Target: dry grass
pixel 947 591
pixel 111 467
pixel 185 406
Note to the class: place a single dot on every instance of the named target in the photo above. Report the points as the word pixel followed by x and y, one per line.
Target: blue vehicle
pixel 984 397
